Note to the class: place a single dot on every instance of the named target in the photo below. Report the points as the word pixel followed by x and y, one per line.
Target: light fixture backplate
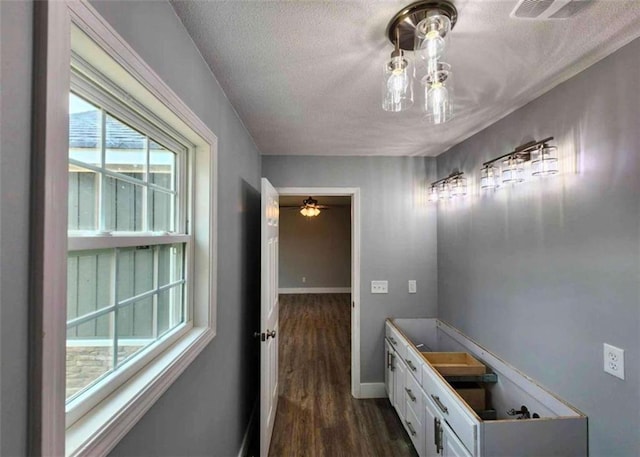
pixel 404 23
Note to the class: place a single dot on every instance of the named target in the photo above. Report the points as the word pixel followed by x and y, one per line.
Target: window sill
pixel 98 431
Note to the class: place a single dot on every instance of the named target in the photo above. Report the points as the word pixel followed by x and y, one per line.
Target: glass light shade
pixel 458 186
pixel 431 36
pixel 433 194
pixel 444 192
pixel 309 211
pixel 545 162
pixel 397 84
pixel 490 177
pixel 438 100
pixel 513 170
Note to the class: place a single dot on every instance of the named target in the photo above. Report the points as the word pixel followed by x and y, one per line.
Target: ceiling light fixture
pixel 310 207
pixel 422 27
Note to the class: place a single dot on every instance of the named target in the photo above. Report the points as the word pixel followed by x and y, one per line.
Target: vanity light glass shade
pixel 397 84
pixel 309 212
pixel 431 36
pixel 444 193
pixel 438 89
pixel 513 170
pixel 458 186
pixel 489 177
pixel 433 194
pixel 545 161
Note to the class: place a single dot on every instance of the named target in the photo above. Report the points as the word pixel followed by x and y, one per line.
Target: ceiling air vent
pixel 548 9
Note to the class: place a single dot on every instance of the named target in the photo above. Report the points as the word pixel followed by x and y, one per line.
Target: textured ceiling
pixel 305 76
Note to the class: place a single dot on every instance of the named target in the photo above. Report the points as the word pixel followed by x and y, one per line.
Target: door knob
pixel 262 336
pixel 271 334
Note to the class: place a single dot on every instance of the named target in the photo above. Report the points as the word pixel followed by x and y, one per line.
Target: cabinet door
pixel 389 368
pixel 432 424
pixel 452 446
pixel 399 373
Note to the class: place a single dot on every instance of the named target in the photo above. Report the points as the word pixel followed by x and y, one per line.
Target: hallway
pixel 317 416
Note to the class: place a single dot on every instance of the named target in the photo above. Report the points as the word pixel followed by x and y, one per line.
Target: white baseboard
pixel 314 290
pixel 244 447
pixel 373 390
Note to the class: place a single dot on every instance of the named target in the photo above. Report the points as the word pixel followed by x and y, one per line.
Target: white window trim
pixel 99 430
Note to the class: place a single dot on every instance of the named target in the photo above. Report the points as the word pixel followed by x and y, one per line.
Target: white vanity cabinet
pixel 439 421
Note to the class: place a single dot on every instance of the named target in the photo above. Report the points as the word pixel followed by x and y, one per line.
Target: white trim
pixel 354 193
pixel 314 290
pixel 102 427
pixel 373 390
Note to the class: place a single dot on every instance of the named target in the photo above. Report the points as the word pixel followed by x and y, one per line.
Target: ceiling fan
pixel 309 207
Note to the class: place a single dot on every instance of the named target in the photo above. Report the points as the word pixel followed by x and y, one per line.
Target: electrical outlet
pixel 614 361
pixel 379 287
pixel 304 279
pixel 413 288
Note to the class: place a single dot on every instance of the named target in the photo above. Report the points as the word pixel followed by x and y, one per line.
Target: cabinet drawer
pixel 414 363
pixel 414 396
pixel 415 430
pixel 452 409
pixel 397 341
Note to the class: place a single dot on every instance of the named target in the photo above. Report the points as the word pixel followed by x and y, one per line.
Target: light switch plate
pixel 379 287
pixel 413 288
pixel 614 361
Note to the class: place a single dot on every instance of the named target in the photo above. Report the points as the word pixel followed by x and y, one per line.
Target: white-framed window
pixel 125 234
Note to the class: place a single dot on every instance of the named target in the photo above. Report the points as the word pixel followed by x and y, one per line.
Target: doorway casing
pixel 354 193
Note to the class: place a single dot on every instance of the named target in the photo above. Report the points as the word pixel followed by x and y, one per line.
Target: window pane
pixel 88 290
pixel 135 327
pixel 162 166
pixel 88 359
pixel 161 211
pixel 83 199
pixel 170 309
pixel 170 264
pixel 126 148
pixel 123 209
pixel 134 272
pixel 85 127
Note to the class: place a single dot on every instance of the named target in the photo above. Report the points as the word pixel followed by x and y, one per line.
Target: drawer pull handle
pixel 392 366
pixel 411 365
pixel 410 427
pixel 410 394
pixel 436 434
pixel 393 341
pixel 443 408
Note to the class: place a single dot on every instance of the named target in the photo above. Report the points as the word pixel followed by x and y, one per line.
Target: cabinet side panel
pixel 562 437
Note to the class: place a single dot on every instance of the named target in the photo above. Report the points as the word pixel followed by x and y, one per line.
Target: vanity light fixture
pixel 422 27
pixel 510 168
pixel 453 186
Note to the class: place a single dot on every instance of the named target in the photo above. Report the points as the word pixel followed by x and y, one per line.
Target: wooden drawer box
pixel 454 363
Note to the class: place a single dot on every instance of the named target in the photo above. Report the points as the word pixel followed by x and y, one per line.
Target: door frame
pixel 354 193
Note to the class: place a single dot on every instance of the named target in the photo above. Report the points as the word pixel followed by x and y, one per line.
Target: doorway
pixel 354 195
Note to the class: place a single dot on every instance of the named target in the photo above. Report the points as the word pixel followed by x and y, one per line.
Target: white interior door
pixel 268 315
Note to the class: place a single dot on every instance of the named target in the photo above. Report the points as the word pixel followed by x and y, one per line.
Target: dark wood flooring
pixel 317 416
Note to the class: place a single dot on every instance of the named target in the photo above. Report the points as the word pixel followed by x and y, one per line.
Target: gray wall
pixel 15 149
pixel 206 411
pixel 316 248
pixel 545 273
pixel 398 235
